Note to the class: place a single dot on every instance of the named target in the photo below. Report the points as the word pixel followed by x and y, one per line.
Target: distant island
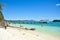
pixel 56 20
pixel 27 21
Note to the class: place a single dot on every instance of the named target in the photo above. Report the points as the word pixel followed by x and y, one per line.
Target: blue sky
pixel 31 9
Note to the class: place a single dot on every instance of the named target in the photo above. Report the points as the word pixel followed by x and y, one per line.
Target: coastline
pixel 22 34
pixel 50 30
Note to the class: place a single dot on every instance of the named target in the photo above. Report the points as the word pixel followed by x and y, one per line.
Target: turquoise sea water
pixel 52 28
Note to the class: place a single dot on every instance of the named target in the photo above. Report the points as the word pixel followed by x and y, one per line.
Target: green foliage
pixel 1 16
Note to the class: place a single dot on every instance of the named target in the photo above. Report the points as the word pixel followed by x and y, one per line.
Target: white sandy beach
pixel 22 34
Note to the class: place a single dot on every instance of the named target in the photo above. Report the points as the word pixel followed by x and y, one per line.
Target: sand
pixel 22 34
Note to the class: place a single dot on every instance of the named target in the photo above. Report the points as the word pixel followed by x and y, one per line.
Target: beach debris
pixel 32 29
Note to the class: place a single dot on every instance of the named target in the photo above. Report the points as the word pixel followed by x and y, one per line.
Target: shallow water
pixel 52 28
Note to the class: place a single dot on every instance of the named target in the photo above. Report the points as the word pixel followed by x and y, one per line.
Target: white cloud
pixel 57 4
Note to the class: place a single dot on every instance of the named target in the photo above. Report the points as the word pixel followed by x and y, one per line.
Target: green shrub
pixel 1 16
